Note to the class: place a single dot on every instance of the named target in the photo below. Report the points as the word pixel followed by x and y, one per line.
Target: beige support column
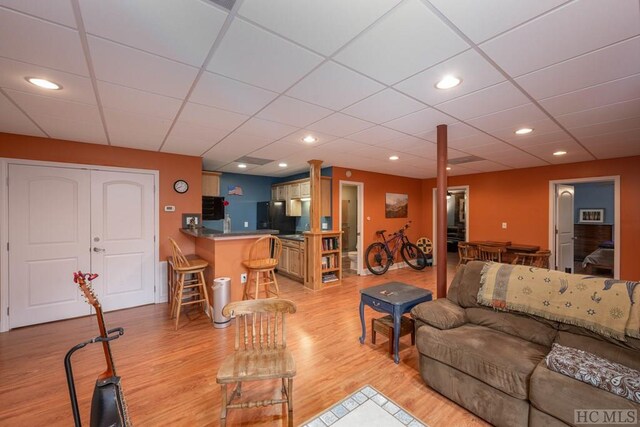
pixel 441 214
pixel 316 195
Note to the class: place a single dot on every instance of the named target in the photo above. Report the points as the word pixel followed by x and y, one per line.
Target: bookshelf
pixel 323 259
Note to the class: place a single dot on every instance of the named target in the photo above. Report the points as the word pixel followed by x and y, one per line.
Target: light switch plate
pixel 169 208
pixel 504 225
pixel 325 225
pixel 246 224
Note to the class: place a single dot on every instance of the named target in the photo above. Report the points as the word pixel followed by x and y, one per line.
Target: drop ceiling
pixel 192 77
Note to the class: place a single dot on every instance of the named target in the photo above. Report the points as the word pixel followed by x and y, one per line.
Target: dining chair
pixel 466 252
pixel 491 253
pixel 187 285
pixel 263 260
pixel 537 259
pixel 260 353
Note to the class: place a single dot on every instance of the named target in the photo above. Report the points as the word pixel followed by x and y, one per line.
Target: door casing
pixel 360 219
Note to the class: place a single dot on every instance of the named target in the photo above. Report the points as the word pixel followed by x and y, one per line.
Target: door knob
pixel 95 249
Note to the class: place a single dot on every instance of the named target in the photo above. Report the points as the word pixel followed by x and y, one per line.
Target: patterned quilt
pixel 606 306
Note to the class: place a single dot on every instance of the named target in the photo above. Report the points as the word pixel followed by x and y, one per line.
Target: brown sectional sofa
pixel 492 362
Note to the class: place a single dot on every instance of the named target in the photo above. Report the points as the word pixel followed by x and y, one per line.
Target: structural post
pixel 441 214
pixel 316 195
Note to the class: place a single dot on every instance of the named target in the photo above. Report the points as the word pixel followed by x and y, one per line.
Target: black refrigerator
pixel 270 215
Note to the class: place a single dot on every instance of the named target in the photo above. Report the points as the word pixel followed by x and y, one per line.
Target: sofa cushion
pixel 470 284
pixel 500 360
pixel 602 348
pixel 559 395
pixel 441 314
pixel 541 331
pixel 454 286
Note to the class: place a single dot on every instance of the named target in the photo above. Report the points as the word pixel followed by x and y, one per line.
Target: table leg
pixel 364 328
pixel 397 317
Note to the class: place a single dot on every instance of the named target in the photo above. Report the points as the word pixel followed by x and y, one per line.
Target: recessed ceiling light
pixel 560 153
pixel 309 139
pixel 448 168
pixel 448 82
pixel 524 131
pixel 242 166
pixel 394 158
pixel 43 83
pixel 282 165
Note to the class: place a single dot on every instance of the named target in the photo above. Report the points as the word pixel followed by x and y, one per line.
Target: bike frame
pixel 397 239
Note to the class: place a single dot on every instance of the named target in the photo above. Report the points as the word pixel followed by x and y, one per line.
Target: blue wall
pixel 595 195
pixel 242 208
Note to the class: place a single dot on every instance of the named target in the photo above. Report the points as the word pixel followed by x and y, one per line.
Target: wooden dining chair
pixel 188 285
pixel 260 352
pixel 537 259
pixel 491 253
pixel 466 252
pixel 263 260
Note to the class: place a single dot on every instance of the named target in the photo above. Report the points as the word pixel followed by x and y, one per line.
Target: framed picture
pixel 191 220
pixel 591 215
pixel 396 205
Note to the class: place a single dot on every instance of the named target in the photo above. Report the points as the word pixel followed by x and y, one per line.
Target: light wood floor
pixel 169 376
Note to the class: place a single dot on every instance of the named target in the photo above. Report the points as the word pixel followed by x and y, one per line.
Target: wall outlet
pixel 504 225
pixel 246 224
pixel 325 225
pixel 243 278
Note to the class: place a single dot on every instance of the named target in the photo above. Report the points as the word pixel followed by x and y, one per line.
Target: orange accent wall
pixel 170 166
pixel 520 198
pixel 376 186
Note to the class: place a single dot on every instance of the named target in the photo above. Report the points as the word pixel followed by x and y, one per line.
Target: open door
pixel 564 227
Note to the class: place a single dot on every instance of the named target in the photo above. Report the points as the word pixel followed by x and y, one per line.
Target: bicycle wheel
pixel 377 258
pixel 413 256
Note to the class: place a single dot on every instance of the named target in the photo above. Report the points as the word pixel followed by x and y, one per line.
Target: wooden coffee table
pixel 394 298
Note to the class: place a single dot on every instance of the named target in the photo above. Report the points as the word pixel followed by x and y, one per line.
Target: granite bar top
pixel 209 233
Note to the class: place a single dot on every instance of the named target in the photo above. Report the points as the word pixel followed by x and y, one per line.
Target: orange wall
pixel 171 167
pixel 376 186
pixel 521 199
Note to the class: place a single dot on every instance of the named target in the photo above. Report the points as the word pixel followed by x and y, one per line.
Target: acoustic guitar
pixel 108 407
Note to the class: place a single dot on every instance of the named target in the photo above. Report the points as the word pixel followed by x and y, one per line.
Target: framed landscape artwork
pixel 396 205
pixel 591 216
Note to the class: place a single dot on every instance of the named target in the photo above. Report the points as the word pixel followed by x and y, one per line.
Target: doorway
pixel 63 219
pixel 457 220
pixel 584 236
pixel 351 222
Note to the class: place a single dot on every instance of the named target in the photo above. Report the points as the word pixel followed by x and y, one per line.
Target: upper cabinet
pixel 210 183
pixel 293 192
pixel 305 189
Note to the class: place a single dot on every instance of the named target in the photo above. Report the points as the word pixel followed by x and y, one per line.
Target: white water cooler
pixel 221 297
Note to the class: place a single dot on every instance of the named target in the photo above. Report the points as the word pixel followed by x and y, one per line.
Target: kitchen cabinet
pixel 305 189
pixel 210 183
pixel 293 192
pixel 292 259
pixel 281 193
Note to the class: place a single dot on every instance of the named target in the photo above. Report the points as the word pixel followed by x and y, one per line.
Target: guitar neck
pixel 106 347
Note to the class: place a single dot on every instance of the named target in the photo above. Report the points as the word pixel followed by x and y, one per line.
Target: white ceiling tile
pixel 293 112
pixel 376 135
pixel 575 153
pixel 137 101
pixel 277 150
pixel 490 100
pixel 143 71
pixel 71 129
pixel 58 11
pixel 421 121
pixel 12 120
pixel 607 113
pixel 483 150
pixel 339 124
pixel 384 106
pixel 222 92
pixel 479 140
pixel 614 62
pixel 485 19
pixel 233 168
pixel 404 144
pixel 582 26
pixel 297 137
pixel 611 92
pixel 192 139
pixel 607 127
pixel 537 138
pixel 486 166
pixel 454 131
pixel 345 146
pixel 211 164
pixel 54 107
pixel 266 129
pixel 235 146
pixel 183 31
pixel 615 144
pixel 334 22
pixel 334 86
pixel 212 117
pixel 131 130
pixel 476 73
pixel 514 118
pixel 406 41
pixel 254 56
pixel 540 128
pixel 74 87
pixel 42 43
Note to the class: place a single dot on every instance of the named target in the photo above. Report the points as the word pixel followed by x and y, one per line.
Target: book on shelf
pixel 329 243
pixel 329 277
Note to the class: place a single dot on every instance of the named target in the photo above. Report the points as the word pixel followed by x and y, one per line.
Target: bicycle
pixel 380 255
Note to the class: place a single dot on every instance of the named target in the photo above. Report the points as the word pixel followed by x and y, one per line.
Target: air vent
pixel 253 160
pixel 467 159
pixel 227 4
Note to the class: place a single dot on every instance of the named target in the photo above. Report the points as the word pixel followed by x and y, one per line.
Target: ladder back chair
pixel 491 253
pixel 263 260
pixel 466 252
pixel 538 259
pixel 189 286
pixel 260 352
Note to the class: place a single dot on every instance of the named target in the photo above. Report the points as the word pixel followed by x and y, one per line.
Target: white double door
pixel 63 220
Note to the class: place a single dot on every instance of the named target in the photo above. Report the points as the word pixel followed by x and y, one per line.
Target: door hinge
pixel 154 238
pixel 7 311
pixel 7 246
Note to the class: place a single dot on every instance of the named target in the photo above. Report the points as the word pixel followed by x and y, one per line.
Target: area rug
pixel 366 407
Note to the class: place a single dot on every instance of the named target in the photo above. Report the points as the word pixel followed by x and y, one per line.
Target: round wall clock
pixel 181 186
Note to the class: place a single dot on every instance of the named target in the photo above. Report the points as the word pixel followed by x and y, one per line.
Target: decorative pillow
pixel 596 371
pixel 607 244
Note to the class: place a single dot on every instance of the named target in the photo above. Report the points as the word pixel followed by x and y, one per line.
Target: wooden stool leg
pixel 391 340
pixel 373 332
pixel 275 282
pixel 223 409
pixel 257 284
pixel 179 299
pixel 290 396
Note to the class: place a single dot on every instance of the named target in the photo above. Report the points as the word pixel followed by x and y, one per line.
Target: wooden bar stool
pixel 188 283
pixel 262 262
